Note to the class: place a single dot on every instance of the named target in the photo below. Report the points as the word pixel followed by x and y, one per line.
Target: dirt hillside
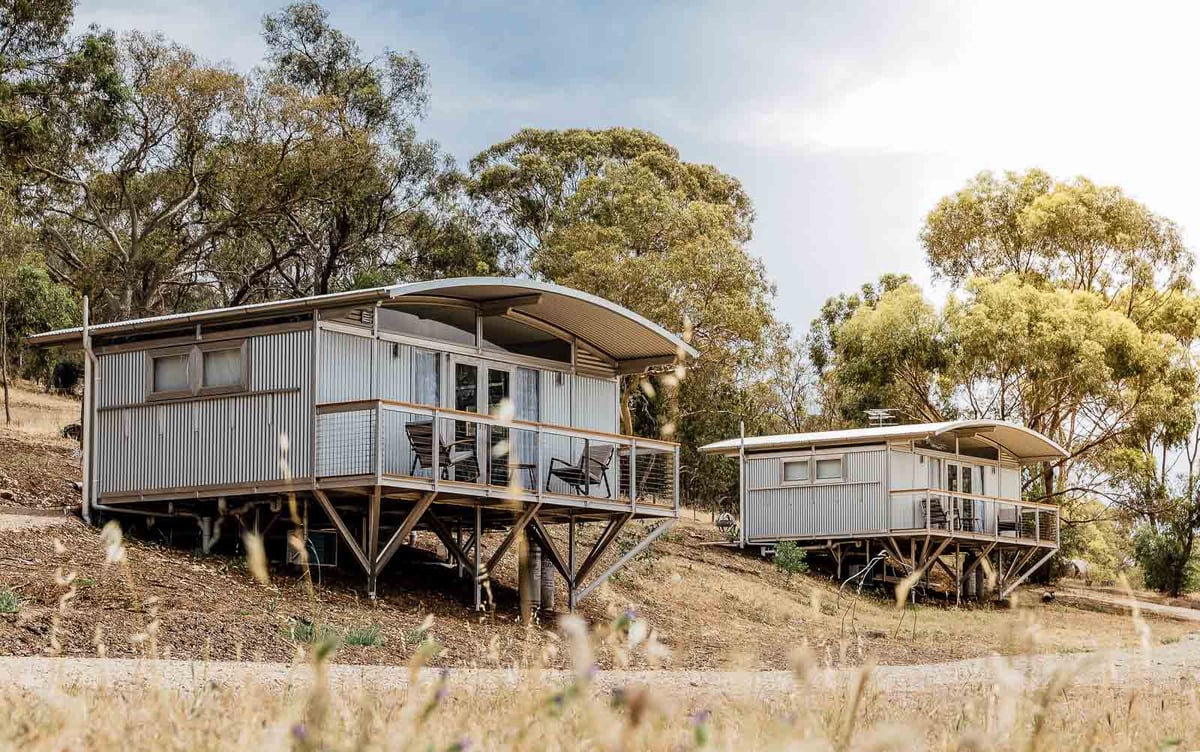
pixel 711 607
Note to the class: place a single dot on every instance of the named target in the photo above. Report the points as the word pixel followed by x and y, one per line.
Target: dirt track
pixel 1164 664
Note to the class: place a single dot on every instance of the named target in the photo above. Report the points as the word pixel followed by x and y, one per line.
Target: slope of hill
pixel 710 606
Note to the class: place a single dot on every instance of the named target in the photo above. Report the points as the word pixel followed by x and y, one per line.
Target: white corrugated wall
pixel 857 504
pixel 153 446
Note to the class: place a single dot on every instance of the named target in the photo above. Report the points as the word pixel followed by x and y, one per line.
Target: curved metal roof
pixel 1023 443
pixel 618 332
pixel 615 330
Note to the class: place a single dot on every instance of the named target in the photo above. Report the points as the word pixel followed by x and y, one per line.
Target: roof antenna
pixel 883 416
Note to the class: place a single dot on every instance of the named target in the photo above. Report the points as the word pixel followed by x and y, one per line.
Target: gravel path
pixel 1165 663
pixel 1173 612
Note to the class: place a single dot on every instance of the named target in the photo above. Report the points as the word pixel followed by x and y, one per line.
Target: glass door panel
pixel 464 454
pixel 499 391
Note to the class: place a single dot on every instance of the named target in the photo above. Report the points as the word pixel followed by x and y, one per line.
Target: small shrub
pixel 790 558
pixel 10 602
pixel 364 636
pixel 415 636
pixel 1165 563
pixel 302 630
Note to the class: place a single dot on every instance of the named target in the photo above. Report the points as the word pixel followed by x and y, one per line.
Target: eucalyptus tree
pixel 618 213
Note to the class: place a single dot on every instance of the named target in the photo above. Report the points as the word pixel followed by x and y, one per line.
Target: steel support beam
pixel 1024 576
pixel 641 545
pixel 610 533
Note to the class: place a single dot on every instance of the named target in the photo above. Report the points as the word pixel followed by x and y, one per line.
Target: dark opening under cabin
pixel 454 406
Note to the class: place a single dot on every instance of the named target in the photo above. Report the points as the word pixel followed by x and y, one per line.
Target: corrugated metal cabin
pixel 922 493
pixel 386 408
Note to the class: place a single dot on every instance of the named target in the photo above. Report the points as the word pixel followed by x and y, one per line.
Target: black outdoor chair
pixel 937 513
pixel 460 455
pixel 590 470
pixel 967 521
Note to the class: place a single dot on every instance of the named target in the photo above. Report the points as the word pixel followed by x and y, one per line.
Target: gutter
pixel 71 337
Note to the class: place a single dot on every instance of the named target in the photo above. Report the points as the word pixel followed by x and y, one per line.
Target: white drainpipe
pixel 88 418
pixel 742 484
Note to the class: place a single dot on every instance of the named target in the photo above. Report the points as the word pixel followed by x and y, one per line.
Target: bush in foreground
pixel 790 558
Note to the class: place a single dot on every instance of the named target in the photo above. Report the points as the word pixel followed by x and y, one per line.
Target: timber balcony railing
pixel 480 455
pixel 974 516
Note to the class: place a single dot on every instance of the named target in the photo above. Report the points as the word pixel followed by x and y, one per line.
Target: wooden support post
pixel 976 563
pixel 550 551
pixel 373 511
pixel 513 533
pixel 442 531
pixel 336 519
pixel 477 555
pixel 957 568
pixel 405 529
pixel 571 564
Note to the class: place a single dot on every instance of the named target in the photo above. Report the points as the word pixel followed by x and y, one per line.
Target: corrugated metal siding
pixel 594 404
pixel 345 367
pixel 122 379
pixel 857 504
pixel 152 447
pixel 395 371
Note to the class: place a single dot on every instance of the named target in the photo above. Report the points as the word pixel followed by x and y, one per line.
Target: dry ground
pixel 713 608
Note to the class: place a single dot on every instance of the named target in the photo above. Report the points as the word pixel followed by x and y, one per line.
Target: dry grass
pixel 1009 711
pixel 36 413
pixel 84 594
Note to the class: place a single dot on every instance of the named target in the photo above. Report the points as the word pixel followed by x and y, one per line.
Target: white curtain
pixel 425 376
pixel 526 399
pixel 223 367
pixel 170 373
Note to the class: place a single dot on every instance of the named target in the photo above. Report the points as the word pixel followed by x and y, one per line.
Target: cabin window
pixel 795 471
pixel 169 373
pixel 517 337
pixel 829 468
pixel 222 368
pixel 204 368
pixel 444 323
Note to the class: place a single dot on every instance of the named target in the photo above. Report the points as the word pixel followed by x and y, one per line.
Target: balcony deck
pixel 480 457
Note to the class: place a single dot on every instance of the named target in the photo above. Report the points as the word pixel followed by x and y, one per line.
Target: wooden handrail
pixel 976 497
pixel 490 420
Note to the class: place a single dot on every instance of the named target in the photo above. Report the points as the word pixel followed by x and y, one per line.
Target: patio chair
pixel 937 513
pixel 968 521
pixel 460 455
pixel 590 470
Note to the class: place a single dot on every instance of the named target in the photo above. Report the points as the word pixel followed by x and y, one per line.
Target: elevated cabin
pixel 451 405
pixel 920 492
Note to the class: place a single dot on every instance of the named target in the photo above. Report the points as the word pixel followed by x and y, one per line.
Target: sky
pixel 845 122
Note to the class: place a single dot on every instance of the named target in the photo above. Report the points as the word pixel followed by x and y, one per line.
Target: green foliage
pixel 1071 234
pixel 619 214
pixel 1096 535
pixel 363 636
pixel 1165 559
pixel 10 602
pixel 790 558
pixel 309 632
